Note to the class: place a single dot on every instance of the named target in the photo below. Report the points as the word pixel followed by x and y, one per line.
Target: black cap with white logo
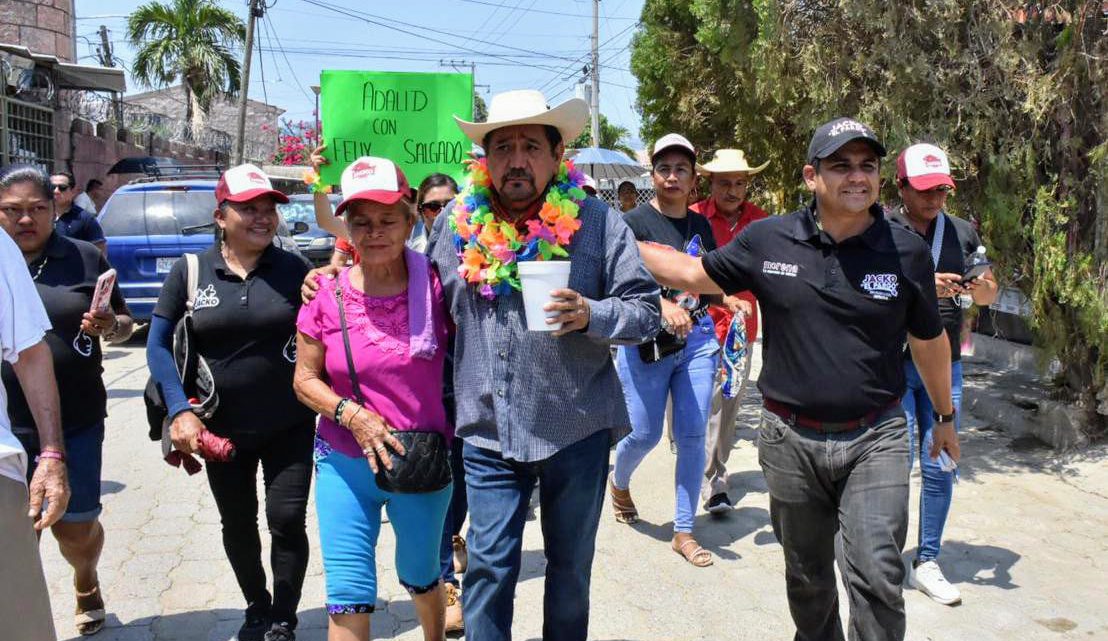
pixel 830 136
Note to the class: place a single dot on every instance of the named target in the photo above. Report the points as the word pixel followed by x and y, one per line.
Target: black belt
pixel 793 418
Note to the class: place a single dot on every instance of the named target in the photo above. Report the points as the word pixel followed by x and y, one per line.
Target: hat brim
pixel 930 181
pixel 835 145
pixel 251 194
pixel 720 168
pixel 569 118
pixel 370 195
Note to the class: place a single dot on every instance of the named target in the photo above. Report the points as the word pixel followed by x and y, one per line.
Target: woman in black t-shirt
pixel 244 320
pixel 664 369
pixel 65 272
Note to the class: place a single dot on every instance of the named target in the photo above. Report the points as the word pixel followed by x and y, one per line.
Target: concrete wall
pixel 90 150
pixel 43 26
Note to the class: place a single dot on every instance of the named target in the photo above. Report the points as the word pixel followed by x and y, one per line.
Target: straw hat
pixel 726 161
pixel 528 107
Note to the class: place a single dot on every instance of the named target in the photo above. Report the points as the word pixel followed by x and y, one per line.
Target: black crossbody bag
pixel 425 464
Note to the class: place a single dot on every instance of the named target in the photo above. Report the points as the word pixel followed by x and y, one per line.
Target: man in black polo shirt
pixel 72 221
pixel 841 289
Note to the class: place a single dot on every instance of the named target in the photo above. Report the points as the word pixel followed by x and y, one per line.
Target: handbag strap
pixel 193 281
pixel 357 392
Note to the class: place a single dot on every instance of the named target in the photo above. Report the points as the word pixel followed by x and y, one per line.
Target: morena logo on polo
pixel 932 160
pixel 363 169
pixel 848 125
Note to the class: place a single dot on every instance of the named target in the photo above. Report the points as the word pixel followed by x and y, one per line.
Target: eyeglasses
pixel 61 189
pixel 434 206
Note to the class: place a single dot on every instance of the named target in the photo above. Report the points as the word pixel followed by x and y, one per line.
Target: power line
pixel 288 64
pixel 376 20
pixel 551 13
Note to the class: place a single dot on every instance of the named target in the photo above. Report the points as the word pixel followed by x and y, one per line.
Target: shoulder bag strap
pixel 355 389
pixel 193 265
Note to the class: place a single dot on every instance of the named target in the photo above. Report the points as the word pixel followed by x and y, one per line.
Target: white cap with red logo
pixel 924 166
pixel 245 182
pixel 378 180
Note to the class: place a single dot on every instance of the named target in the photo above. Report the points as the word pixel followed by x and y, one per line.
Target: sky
pixel 516 44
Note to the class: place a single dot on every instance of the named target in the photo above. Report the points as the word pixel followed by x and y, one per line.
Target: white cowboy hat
pixel 528 107
pixel 726 161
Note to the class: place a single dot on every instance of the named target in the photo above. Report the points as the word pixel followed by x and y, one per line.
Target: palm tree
pixel 190 40
pixel 612 136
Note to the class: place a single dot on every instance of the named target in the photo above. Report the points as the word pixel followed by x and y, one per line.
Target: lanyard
pixel 937 240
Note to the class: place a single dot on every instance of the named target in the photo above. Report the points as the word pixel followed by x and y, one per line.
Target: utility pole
pixel 107 59
pixel 595 73
pixel 105 48
pixel 257 10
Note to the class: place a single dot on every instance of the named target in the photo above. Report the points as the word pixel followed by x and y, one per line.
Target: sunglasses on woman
pixel 61 189
pixel 434 206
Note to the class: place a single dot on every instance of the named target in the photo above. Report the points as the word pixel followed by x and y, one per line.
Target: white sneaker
pixel 929 579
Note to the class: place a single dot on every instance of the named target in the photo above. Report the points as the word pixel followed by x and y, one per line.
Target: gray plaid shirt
pixel 528 394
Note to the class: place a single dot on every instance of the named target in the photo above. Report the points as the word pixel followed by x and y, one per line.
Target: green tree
pixel 1017 97
pixel 190 41
pixel 612 136
pixel 480 109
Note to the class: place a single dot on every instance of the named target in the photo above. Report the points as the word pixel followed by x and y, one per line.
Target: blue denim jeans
pixel 687 377
pixel 938 486
pixel 571 492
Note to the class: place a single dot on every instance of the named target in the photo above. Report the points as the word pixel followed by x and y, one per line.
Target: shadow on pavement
pixel 111 487
pixel 975 564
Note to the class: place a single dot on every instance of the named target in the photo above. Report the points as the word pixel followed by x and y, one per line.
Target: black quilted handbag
pixel 425 464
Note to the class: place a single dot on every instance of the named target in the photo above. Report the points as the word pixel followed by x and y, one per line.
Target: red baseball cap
pixel 377 180
pixel 925 166
pixel 243 183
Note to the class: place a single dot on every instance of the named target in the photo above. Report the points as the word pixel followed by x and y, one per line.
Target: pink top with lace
pixel 405 391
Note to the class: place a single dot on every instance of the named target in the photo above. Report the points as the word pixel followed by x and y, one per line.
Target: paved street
pixel 1026 543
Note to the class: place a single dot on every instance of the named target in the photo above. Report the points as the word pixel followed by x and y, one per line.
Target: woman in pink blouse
pixel 398 327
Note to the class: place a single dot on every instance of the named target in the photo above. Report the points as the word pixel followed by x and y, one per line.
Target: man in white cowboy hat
pixel 536 407
pixel 729 212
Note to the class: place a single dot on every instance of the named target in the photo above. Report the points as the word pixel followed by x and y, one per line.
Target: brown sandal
pixel 622 505
pixel 699 557
pixel 90 612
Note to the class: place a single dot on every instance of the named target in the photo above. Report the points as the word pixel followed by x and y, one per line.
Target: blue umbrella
pixel 606 164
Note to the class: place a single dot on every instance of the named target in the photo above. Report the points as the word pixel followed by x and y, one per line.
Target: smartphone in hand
pixel 102 295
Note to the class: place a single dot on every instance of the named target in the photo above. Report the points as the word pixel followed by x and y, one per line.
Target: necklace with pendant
pixel 41 266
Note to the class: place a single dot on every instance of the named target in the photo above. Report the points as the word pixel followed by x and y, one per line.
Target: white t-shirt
pixel 23 322
pixel 84 201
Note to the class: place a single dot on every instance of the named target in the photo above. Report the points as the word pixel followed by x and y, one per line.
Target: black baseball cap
pixel 830 136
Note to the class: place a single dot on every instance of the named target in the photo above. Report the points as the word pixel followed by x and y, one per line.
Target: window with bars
pixel 26 133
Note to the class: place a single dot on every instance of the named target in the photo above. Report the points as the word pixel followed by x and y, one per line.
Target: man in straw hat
pixel 841 289
pixel 729 212
pixel 536 407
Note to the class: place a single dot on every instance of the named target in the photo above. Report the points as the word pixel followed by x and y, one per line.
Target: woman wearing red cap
pixel 370 360
pixel 244 322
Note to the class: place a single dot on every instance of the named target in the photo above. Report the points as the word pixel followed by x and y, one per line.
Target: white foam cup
pixel 538 279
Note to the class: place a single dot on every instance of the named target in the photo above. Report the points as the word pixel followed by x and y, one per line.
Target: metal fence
pixel 26 133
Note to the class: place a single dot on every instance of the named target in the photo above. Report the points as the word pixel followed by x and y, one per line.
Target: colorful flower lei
pixel 489 249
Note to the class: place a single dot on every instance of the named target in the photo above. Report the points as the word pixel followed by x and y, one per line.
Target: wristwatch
pixel 943 418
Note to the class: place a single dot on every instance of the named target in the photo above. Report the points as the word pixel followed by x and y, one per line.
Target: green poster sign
pixel 405 117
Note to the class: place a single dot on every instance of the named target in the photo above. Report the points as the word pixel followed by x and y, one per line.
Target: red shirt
pixel 346 247
pixel 725 231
